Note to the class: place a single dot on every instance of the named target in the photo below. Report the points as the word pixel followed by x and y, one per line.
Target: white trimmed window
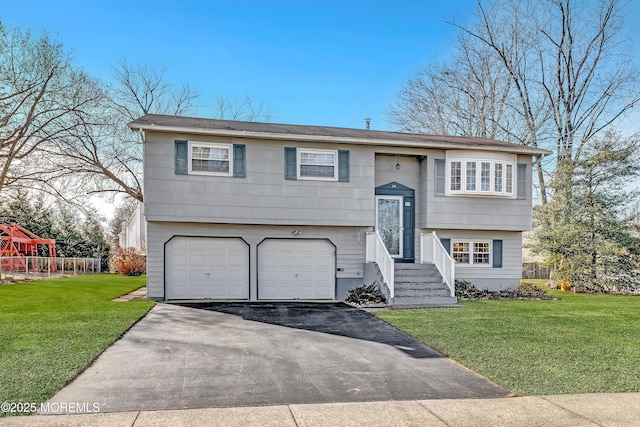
pixel 471 252
pixel 318 164
pixel 508 178
pixel 456 175
pixel 481 177
pixel 210 159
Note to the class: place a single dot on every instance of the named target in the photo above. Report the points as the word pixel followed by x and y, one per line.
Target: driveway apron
pixel 228 355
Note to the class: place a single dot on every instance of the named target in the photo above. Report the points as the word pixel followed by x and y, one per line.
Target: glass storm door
pixel 389 223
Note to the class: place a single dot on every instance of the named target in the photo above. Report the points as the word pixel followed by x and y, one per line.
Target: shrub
pixel 465 289
pixel 529 290
pixel 365 294
pixel 128 263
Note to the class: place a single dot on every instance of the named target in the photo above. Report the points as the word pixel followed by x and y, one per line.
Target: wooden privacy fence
pixel 534 270
pixel 27 267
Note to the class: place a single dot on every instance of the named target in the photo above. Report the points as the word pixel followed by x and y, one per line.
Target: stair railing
pixel 432 252
pixel 377 252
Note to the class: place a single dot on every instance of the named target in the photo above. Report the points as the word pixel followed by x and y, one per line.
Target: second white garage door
pixel 206 268
pixel 296 269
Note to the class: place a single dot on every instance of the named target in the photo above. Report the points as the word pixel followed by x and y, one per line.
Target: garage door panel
pixel 237 260
pixel 207 268
pixel 306 276
pixel 324 262
pixel 217 261
pixel 296 269
pixel 198 260
pixel 286 276
pixel 237 276
pixel 199 244
pixel 198 291
pixel 322 277
pixel 307 261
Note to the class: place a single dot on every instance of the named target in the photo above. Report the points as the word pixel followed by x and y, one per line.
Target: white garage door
pixel 206 268
pixel 296 269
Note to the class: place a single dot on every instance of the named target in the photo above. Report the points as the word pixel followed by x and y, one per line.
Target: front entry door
pixel 389 221
pixel 395 220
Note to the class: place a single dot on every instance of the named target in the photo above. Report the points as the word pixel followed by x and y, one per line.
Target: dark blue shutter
pixel 343 165
pixel 497 254
pixel 181 157
pixel 290 163
pixel 447 244
pixel 522 181
pixel 440 177
pixel 239 161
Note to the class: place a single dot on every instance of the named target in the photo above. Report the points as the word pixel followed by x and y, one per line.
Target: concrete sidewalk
pixel 564 410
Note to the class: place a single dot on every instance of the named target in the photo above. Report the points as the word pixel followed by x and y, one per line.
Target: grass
pixel 581 344
pixel 52 330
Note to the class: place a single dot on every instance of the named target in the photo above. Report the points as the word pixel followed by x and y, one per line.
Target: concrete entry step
pixel 420 285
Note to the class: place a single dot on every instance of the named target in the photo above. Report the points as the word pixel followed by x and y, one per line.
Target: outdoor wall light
pixel 297 232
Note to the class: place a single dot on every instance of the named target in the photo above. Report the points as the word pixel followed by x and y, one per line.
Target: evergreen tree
pixel 587 234
pixel 95 241
pixel 76 235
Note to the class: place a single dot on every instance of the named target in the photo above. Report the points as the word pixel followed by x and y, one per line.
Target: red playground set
pixel 17 243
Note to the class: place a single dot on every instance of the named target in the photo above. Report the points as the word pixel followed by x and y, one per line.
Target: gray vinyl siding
pixel 474 212
pixel 263 196
pixel 487 277
pixel 408 174
pixel 349 242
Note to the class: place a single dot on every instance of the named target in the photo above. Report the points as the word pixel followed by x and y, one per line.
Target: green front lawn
pixel 581 344
pixel 51 330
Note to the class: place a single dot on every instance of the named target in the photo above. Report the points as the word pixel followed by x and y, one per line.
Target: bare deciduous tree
pixel 143 89
pixel 246 109
pixel 466 95
pixel 104 150
pixel 43 98
pixel 66 133
pixel 107 153
pixel 568 78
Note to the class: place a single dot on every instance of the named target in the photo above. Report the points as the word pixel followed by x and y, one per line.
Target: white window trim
pixel 471 244
pixel 478 162
pixel 317 178
pixel 228 147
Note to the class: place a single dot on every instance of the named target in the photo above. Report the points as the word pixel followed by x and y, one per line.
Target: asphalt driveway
pixel 227 355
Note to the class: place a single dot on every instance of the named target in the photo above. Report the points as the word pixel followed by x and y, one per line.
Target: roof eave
pixel 428 143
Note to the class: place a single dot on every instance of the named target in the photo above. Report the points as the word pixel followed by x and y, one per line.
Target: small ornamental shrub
pixel 365 294
pixel 529 290
pixel 465 289
pixel 128 263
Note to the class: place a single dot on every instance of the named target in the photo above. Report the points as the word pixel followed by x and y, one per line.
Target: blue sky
pixel 322 62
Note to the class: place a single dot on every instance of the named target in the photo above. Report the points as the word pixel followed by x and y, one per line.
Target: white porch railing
pixel 432 252
pixel 377 252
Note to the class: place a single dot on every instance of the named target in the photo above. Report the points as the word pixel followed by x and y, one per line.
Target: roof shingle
pixel 163 123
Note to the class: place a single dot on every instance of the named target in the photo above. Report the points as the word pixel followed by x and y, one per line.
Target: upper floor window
pixel 483 177
pixel 318 164
pixel 207 158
